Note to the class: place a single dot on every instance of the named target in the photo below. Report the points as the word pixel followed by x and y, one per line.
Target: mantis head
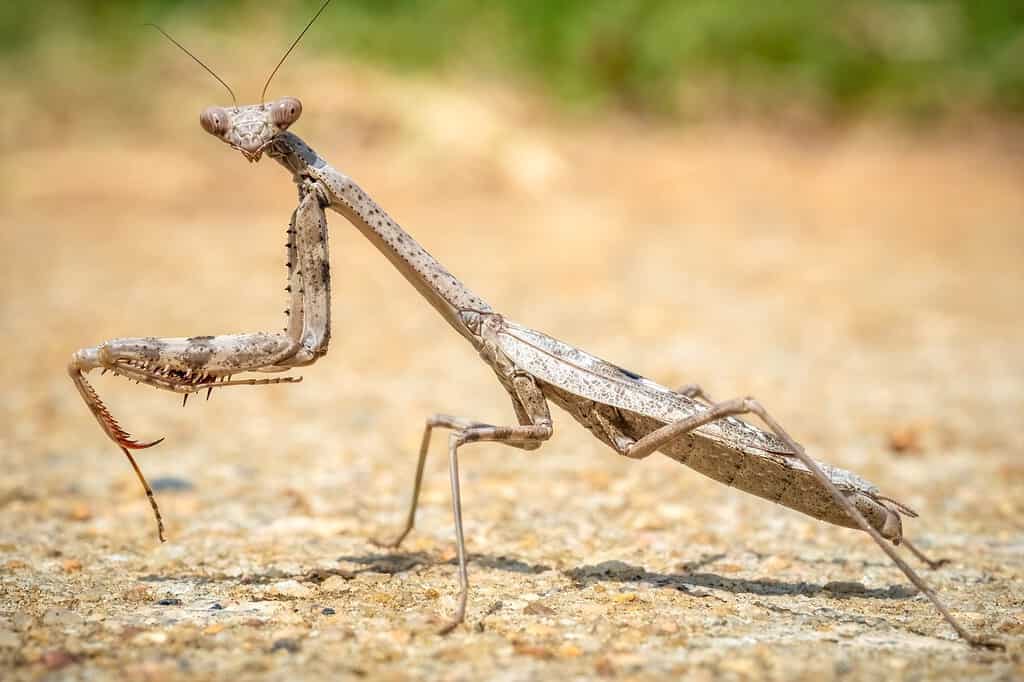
pixel 252 128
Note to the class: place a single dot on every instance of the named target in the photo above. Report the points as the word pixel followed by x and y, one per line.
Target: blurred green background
pixel 919 58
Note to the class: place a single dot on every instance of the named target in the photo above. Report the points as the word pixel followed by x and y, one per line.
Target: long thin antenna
pixel 274 72
pixel 197 61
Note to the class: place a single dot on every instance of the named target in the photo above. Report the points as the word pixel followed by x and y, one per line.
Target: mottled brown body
pixel 629 413
pixel 633 415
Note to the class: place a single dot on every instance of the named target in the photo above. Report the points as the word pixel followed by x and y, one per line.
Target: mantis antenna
pixel 292 47
pixel 197 61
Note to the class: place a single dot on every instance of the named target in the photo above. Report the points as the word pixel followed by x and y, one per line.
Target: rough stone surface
pixel 863 284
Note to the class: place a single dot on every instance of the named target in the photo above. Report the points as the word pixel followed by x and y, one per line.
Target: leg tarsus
pixel 922 557
pixel 508 435
pixel 460 613
pixel 758 409
pixel 454 442
pixel 149 494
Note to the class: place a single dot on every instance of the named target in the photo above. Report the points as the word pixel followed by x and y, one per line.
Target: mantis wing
pixel 590 377
pixel 577 372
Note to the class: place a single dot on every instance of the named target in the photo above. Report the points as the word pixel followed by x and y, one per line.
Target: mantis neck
pixel 440 288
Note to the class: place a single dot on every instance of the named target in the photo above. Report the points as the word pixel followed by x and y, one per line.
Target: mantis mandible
pixel 632 415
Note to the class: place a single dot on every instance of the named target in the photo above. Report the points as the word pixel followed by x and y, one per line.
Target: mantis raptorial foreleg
pixel 188 365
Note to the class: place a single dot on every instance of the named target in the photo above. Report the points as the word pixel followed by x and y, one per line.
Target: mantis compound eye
pixel 214 120
pixel 285 111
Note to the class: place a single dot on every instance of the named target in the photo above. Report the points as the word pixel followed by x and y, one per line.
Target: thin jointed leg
pixel 533 409
pixel 652 441
pixel 922 557
pixel 695 391
pixel 437 421
pixel 197 363
pixel 507 435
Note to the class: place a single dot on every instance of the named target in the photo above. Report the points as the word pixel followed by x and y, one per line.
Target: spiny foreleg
pixel 180 365
pixel 188 365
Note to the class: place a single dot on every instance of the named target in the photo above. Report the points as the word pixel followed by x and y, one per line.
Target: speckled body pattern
pixel 631 414
pixel 728 450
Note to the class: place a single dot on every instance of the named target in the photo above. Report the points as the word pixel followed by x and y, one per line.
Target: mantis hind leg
pixel 528 436
pixel 652 441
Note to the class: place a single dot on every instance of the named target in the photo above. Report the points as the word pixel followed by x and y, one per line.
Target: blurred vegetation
pixel 919 57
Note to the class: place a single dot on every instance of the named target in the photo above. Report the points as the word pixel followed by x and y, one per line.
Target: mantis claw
pixel 135 445
pixel 117 434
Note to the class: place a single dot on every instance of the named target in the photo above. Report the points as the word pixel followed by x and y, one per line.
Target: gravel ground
pixel 864 284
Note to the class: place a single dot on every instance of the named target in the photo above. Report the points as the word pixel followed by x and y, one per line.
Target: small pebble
pixel 80 512
pixel 534 651
pixel 906 440
pixel 289 588
pixel 335 584
pixel 285 644
pixel 776 564
pixel 61 617
pixel 55 659
pixel 170 484
pixel 537 609
pixel 400 637
pixel 150 637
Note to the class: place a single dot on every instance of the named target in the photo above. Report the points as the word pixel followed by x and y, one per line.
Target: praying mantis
pixel 632 415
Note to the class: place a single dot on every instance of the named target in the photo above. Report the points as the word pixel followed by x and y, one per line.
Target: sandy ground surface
pixel 864 284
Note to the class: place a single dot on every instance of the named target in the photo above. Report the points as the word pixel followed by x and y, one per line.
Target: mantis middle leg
pixel 532 408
